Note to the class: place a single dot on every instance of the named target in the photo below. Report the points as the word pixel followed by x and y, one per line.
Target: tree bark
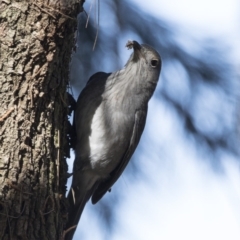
pixel 36 40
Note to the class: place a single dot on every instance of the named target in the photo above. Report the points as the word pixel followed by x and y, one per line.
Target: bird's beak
pixel 133 44
pixel 137 50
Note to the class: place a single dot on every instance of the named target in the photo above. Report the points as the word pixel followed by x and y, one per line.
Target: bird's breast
pixel 109 138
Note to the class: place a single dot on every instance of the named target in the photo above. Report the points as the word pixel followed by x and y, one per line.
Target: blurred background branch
pixel 199 84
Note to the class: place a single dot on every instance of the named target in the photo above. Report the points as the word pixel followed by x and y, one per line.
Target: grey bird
pixel 109 120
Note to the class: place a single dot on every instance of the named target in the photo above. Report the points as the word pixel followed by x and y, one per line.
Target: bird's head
pixel 146 60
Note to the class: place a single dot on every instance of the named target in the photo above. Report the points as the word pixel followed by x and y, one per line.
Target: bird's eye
pixel 154 63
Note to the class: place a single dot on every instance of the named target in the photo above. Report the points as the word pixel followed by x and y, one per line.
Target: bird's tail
pixel 77 203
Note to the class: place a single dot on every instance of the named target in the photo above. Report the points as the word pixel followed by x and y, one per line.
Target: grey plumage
pixel 109 121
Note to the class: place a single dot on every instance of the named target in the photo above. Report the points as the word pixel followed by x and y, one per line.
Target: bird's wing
pixel 88 100
pixel 103 187
pixel 97 76
pixel 87 103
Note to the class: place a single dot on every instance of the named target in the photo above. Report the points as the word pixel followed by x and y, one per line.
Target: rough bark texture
pixel 36 39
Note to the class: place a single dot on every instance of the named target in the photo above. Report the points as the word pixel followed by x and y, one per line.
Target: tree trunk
pixel 36 40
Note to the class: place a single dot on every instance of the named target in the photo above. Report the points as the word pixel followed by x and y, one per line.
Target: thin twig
pixel 45 204
pixel 17 188
pixel 68 230
pixel 9 216
pixel 65 104
pixel 48 212
pixel 5 115
pixel 58 158
pixel 95 41
pixel 44 207
pixel 89 14
pixel 59 12
pixel 44 10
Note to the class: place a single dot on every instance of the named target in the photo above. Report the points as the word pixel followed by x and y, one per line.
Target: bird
pixel 109 120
